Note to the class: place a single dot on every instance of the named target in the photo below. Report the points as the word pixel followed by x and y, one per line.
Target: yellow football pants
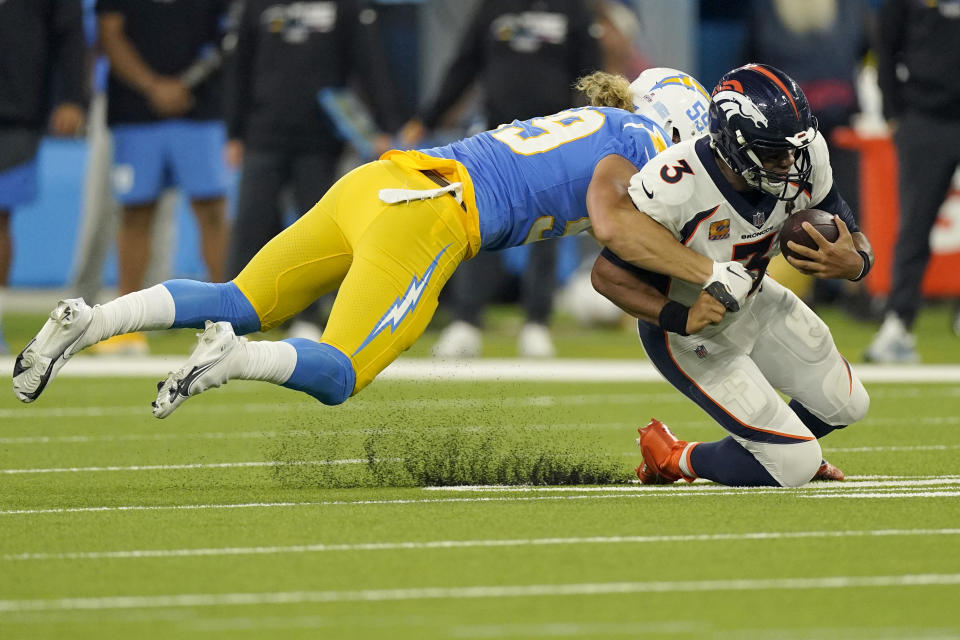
pixel 390 262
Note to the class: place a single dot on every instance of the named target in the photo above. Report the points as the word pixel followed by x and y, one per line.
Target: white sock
pixel 265 360
pixel 144 310
pixel 684 457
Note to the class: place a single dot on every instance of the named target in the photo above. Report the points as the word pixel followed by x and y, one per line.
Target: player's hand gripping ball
pixel 793 230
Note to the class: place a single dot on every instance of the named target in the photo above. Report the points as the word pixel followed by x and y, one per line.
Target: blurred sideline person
pixel 510 46
pixel 389 234
pixel 166 129
pixel 725 195
pixel 100 211
pixel 285 53
pixel 918 56
pixel 821 44
pixel 42 48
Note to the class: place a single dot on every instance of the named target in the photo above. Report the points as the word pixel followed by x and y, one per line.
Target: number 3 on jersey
pixel 543 134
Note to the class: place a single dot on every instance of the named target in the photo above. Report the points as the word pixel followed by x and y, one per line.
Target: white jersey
pixel 683 189
pixel 736 371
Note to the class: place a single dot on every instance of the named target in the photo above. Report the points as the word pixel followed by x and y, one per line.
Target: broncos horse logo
pixel 737 104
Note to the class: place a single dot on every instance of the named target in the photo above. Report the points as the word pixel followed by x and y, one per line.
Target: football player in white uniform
pixel 726 196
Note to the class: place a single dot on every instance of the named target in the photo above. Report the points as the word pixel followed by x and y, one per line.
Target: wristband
pixel 673 317
pixel 866 266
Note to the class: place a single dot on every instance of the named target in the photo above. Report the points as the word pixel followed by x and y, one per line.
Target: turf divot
pixel 425 457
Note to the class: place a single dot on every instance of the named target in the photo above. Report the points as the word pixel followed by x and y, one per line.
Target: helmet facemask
pixel 747 159
pixel 785 186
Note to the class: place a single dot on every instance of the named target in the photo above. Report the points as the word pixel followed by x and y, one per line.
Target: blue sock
pixel 727 462
pixel 322 371
pixel 818 427
pixel 197 302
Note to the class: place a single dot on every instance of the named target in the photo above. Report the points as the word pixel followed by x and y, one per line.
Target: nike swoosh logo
pixel 17 367
pixel 184 387
pixel 735 273
pixel 644 187
pixel 71 349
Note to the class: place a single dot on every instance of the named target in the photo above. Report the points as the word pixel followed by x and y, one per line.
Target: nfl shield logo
pixel 720 230
pixel 701 351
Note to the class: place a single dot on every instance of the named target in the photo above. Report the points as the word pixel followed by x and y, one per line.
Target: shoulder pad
pixel 668 178
pixel 657 135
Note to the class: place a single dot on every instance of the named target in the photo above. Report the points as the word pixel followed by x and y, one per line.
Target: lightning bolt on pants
pixel 390 263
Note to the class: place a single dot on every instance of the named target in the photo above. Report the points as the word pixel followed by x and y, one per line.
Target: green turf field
pixel 221 521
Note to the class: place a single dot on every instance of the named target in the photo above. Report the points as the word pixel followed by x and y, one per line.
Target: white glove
pixel 730 284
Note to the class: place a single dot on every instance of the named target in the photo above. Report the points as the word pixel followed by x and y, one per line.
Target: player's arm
pixel 634 236
pixel 642 241
pixel 168 96
pixel 238 80
pixel 627 287
pixel 69 56
pixel 850 257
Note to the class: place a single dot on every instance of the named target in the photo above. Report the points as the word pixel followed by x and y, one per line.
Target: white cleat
pixel 893 344
pixel 535 342
pixel 50 349
pixel 459 340
pixel 209 366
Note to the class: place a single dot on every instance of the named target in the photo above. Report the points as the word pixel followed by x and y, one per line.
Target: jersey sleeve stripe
pixel 690 228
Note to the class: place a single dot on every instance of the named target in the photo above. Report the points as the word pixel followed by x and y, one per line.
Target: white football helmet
pixel 674 100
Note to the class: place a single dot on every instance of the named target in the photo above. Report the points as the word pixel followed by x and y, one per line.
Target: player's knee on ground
pixel 322 371
pixel 792 465
pixel 844 400
pixel 856 406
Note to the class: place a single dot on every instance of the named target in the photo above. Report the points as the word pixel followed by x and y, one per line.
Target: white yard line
pixel 248 435
pixel 186 466
pixel 881 494
pixel 589 426
pixel 465 544
pixel 474 592
pixel 362 404
pixel 906 489
pixel 149 437
pixel 891 449
pixel 853 483
pixel 560 370
pixel 193 466
pixel 272 505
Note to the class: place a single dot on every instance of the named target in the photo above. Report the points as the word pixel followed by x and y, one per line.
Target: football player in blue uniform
pixel 388 236
pixel 728 195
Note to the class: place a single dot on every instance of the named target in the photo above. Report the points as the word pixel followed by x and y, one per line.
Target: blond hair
pixel 606 90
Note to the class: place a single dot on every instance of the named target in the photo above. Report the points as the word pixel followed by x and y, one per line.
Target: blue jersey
pixel 530 178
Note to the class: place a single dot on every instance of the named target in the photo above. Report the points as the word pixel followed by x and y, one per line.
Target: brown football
pixel 792 229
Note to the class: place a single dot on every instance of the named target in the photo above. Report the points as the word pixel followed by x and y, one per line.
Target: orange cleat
pixel 661 454
pixel 649 476
pixel 828 472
